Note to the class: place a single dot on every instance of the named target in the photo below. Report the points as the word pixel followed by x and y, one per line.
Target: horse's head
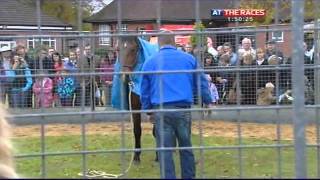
pixel 129 48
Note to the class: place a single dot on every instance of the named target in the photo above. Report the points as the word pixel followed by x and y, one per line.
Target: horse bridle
pixel 131 67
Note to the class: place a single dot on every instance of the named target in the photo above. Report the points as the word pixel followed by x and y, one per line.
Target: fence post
pixel 316 55
pixel 298 88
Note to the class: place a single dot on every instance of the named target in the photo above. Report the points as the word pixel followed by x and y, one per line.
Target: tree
pixel 195 39
pixel 284 11
pixel 67 10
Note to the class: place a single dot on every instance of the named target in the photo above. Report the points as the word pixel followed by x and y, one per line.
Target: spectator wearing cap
pixel 271 50
pixel 6 71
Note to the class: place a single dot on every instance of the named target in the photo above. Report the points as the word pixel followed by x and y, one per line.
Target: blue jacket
pixel 119 93
pixel 66 87
pixel 177 88
pixel 28 78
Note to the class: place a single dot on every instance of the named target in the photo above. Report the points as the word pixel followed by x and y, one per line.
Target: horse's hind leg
pixel 154 135
pixel 137 135
pixel 135 104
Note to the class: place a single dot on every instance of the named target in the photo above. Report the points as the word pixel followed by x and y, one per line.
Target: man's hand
pixel 108 83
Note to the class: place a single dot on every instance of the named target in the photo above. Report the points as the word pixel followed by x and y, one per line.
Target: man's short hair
pixel 208 56
pixel 227 44
pixel 260 50
pixel 165 39
pixel 246 39
pixel 20 47
pixel 271 42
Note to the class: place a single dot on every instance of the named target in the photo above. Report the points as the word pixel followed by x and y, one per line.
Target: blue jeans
pixel 66 101
pixel 175 126
pixel 18 99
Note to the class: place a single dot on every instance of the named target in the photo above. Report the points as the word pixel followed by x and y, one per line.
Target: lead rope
pixel 91 173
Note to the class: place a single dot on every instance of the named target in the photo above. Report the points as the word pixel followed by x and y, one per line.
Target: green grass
pixel 218 163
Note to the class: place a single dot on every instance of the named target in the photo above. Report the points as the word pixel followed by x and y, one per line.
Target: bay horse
pixel 134 52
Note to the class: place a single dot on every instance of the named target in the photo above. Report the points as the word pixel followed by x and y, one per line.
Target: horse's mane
pixel 6 158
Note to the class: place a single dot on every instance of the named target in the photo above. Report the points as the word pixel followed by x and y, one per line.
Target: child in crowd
pixel 66 87
pixel 265 95
pixel 42 90
pixel 213 90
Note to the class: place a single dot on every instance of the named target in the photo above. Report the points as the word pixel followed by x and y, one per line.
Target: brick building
pixel 142 15
pixel 20 19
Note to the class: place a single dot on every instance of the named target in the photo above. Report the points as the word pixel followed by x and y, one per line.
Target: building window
pixel 49 42
pixel 104 29
pixel 10 44
pixel 277 36
pixel 124 27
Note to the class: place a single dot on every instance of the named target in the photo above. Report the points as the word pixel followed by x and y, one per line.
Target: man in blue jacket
pixel 172 91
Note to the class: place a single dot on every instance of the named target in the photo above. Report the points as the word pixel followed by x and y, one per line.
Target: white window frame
pixel 10 44
pixel 279 38
pixel 34 40
pixel 104 29
pixel 124 27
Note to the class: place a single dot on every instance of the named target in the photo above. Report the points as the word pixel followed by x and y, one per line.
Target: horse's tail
pixel 6 157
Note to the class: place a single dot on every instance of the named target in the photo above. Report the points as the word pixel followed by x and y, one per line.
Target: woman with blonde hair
pixel 6 159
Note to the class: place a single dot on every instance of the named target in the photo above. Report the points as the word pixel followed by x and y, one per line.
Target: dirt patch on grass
pixel 209 128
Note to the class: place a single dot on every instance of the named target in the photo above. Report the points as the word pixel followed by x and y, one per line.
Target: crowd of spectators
pixel 258 82
pixel 57 85
pixel 254 84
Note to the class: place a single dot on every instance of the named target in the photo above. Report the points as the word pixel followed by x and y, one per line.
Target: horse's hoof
pixel 136 159
pixel 156 159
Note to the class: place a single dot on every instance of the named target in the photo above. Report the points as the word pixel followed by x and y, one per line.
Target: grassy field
pixel 218 163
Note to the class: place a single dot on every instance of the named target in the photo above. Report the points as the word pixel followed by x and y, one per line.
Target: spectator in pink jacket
pixel 42 90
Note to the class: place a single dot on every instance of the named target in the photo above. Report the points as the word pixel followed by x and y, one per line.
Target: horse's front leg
pixel 135 105
pixel 137 135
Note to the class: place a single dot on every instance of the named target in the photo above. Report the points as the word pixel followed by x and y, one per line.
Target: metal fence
pixel 283 89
